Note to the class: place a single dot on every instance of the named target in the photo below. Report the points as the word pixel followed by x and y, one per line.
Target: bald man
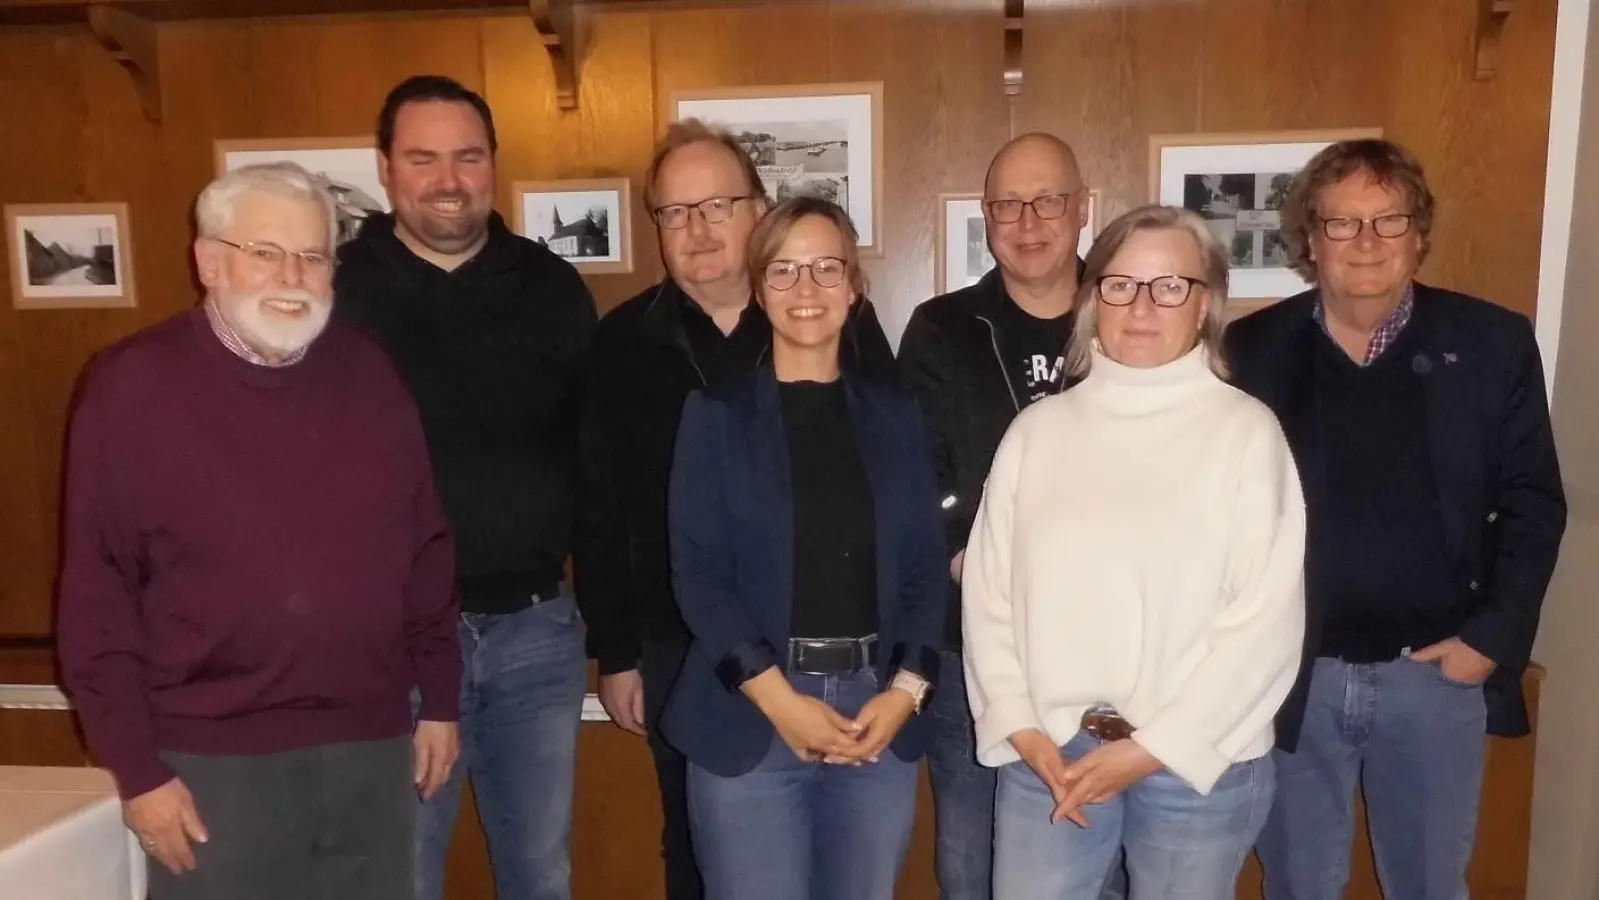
pixel 975 358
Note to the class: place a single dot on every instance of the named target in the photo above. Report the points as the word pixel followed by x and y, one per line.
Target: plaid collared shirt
pixel 231 340
pixel 1386 333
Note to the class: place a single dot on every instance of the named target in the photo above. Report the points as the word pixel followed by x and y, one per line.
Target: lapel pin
pixel 1450 358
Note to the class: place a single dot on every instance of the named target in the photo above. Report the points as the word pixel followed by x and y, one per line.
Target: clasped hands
pixel 816 731
pixel 1097 777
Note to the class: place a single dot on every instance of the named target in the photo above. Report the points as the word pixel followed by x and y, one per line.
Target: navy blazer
pixel 731 517
pixel 1493 458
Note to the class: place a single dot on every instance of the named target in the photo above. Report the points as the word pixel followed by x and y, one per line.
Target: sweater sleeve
pixel 1252 649
pixel 996 680
pixel 98 622
pixel 431 604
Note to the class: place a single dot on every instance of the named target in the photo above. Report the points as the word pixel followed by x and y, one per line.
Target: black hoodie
pixel 494 353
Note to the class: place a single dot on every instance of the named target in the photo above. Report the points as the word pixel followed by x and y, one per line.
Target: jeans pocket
pixel 561 611
pixel 1437 671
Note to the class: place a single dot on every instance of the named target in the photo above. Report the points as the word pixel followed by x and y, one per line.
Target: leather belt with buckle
pixel 831 656
pixel 1107 725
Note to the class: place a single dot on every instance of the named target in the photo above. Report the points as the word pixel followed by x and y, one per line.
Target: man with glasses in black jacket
pixel 975 358
pixel 697 327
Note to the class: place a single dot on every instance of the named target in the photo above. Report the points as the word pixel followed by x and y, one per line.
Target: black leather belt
pixel 831 656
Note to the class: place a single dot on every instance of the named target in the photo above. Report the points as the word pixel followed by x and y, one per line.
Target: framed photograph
pixel 1237 182
pixel 70 256
pixel 348 167
pixel 820 139
pixel 961 248
pixel 584 221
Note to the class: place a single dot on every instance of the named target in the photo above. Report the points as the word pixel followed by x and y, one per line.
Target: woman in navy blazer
pixel 809 565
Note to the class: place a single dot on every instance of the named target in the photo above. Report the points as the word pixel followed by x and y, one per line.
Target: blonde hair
pixel 694 131
pixel 213 211
pixel 770 233
pixel 1085 330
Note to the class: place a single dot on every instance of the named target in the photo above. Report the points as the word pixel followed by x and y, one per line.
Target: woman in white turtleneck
pixel 1133 593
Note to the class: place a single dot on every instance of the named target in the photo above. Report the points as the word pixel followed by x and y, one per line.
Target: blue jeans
pixel 963 791
pixel 521 701
pixel 795 830
pixel 1415 741
pixel 1180 845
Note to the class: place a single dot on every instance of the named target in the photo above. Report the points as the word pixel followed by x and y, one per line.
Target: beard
pixel 441 234
pixel 272 334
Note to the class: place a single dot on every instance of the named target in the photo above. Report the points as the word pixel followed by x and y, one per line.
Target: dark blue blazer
pixel 731 516
pixel 1493 458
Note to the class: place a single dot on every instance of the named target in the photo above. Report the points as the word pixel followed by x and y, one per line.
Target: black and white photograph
pixel 346 167
pixel 963 255
pixel 1238 182
pixel 69 255
pixel 583 222
pixel 806 140
pixel 1241 210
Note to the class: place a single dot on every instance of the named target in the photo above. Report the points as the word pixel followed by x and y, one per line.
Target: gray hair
pixel 1079 351
pixel 213 212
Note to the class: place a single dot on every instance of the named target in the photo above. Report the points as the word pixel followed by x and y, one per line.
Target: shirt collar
pixel 1386 333
pixel 231 340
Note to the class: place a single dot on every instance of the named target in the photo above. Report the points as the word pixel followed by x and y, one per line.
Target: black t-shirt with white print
pixel 1034 349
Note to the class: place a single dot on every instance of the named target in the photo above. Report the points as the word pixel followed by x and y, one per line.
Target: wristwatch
pixel 913 684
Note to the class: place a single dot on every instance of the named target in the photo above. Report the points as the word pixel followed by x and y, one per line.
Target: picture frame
pixel 822 139
pixel 346 166
pixel 960 249
pixel 70 256
pixel 1236 182
pixel 586 221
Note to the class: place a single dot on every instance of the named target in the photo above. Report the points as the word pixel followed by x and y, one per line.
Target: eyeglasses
pixel 271 256
pixel 826 272
pixel 713 210
pixel 1044 206
pixel 1345 228
pixel 1166 291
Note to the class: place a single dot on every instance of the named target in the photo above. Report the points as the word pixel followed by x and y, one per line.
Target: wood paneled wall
pixel 1103 74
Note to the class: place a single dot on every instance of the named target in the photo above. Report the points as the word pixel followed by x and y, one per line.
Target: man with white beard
pixel 257 571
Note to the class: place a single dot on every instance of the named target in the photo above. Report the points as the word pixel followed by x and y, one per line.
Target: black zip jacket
pixel 641 370
pixel 953 358
pixel 493 352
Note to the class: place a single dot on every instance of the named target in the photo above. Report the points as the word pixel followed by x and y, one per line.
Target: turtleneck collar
pixel 1136 390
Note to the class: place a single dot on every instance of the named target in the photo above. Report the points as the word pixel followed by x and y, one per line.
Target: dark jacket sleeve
pixel 924 558
pixel 432 607
pixel 1529 516
pixel 702 548
pixel 867 346
pixel 602 565
pixel 924 369
pixel 98 626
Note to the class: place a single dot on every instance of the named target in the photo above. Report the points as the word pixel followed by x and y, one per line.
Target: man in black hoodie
pixel 490 332
pixel 975 358
pixel 697 327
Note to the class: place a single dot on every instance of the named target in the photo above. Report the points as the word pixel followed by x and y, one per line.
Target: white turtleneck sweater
pixel 1141 543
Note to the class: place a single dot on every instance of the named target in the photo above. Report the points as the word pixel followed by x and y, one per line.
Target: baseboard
pixel 48 698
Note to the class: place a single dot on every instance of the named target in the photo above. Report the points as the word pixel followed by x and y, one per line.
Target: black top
pixel 1377 544
pixel 835 534
pixel 649 354
pixel 1035 350
pixel 494 354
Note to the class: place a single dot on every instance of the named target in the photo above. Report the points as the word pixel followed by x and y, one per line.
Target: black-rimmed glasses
pixel 271 256
pixel 713 210
pixel 826 272
pixel 1044 206
pixel 1166 291
pixel 1347 228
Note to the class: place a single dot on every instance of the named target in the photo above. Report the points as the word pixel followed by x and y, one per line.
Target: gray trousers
pixel 322 823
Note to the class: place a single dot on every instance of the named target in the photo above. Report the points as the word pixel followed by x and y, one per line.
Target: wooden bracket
pixel 132 41
pixel 1491 16
pixel 557 26
pixel 1013 46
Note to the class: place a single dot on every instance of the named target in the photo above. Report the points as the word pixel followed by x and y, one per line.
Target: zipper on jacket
pixel 1004 372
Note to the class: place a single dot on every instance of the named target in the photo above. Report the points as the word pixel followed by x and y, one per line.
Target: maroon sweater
pixel 254 559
